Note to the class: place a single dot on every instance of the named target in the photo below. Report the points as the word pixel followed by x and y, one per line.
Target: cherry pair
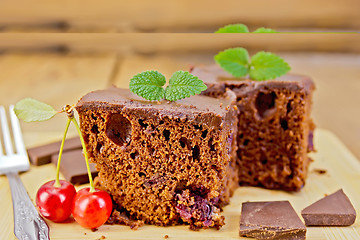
pixel 89 209
pixel 58 199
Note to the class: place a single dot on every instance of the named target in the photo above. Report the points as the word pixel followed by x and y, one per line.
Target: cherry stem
pixel 92 189
pixel 57 182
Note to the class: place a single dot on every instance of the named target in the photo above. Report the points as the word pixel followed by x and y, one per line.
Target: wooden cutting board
pixel 342 171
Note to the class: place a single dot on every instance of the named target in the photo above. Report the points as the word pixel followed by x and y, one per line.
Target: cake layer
pixel 274 129
pixel 163 162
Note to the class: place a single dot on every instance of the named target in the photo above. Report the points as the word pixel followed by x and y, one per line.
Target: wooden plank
pixel 179 15
pixel 151 43
pixel 342 171
pixel 52 78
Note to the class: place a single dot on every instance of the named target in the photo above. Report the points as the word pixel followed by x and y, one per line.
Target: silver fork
pixel 28 224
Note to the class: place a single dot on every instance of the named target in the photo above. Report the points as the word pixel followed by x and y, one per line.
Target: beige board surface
pixel 342 171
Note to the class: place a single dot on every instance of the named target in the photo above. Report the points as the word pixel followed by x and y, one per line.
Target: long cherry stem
pixel 57 181
pixel 92 189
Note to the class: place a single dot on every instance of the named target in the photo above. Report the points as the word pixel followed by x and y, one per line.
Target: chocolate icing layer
pixel 202 112
pixel 213 74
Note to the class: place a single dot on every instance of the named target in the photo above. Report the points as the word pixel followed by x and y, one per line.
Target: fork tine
pixel 19 142
pixel 5 130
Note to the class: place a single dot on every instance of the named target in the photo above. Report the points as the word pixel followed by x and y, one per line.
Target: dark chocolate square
pixel 332 210
pixel 42 154
pixel 271 220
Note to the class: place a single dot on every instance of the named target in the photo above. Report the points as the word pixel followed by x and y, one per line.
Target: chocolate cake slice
pixel 332 210
pixel 164 162
pixel 275 130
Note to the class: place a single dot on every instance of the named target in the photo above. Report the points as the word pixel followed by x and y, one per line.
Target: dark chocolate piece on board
pixel 73 166
pixel 271 220
pixel 42 154
pixel 332 210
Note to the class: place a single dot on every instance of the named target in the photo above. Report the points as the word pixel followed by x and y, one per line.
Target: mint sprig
pixel 233 28
pixel 235 61
pixel 265 65
pixel 242 28
pixel 261 66
pixel 31 110
pixel 183 85
pixel 149 85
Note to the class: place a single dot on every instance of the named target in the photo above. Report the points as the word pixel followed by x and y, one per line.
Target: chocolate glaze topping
pixel 213 74
pixel 185 108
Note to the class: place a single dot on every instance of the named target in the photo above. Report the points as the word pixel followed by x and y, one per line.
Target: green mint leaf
pixel 233 28
pixel 234 60
pixel 182 85
pixel 265 66
pixel 31 110
pixel 148 85
pixel 265 30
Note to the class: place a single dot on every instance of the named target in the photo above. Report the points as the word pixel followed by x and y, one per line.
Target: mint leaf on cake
pixel 234 60
pixel 262 66
pixel 265 65
pixel 31 110
pixel 183 85
pixel 148 85
pixel 233 28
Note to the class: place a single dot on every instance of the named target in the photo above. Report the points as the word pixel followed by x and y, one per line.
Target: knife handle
pixel 28 224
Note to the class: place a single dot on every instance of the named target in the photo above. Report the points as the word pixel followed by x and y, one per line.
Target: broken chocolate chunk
pixel 332 210
pixel 271 220
pixel 320 171
pixel 73 166
pixel 42 154
pixel 118 217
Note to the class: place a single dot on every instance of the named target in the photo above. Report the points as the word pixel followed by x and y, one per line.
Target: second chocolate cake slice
pixel 275 130
pixel 163 162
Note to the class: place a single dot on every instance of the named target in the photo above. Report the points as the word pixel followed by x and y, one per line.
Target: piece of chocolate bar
pixel 42 154
pixel 332 210
pixel 271 220
pixel 73 166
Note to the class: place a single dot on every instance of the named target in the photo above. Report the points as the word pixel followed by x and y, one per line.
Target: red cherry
pixel 54 203
pixel 91 209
